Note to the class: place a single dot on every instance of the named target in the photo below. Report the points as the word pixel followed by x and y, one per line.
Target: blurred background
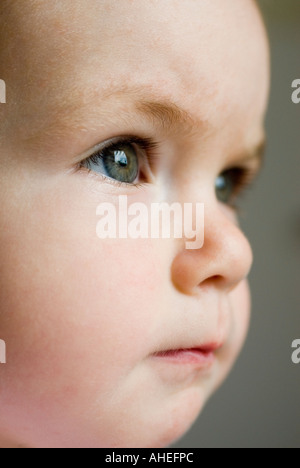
pixel 259 405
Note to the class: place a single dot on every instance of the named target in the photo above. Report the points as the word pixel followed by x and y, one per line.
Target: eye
pixel 231 183
pixel 126 160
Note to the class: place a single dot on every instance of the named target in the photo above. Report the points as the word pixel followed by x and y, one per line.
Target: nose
pixel 223 262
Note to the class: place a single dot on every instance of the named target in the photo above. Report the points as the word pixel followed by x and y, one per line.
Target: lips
pixel 203 356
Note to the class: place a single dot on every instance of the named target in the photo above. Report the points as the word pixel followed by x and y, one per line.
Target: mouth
pixel 201 357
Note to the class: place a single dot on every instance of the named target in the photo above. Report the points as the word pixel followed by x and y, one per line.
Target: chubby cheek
pixel 78 312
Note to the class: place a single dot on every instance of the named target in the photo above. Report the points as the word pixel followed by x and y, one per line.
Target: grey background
pixel 259 405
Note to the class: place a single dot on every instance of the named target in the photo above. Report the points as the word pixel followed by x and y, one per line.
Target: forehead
pixel 206 55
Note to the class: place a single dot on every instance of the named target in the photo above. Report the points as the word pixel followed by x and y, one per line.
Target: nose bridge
pixel 224 259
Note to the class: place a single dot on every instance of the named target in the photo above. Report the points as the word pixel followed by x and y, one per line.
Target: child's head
pixel 112 342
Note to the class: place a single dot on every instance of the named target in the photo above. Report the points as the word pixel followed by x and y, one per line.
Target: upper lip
pixel 213 337
pixel 210 347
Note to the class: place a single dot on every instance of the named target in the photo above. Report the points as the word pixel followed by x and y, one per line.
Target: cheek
pixel 77 309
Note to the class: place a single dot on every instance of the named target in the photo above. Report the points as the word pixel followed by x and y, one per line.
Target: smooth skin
pixel 82 317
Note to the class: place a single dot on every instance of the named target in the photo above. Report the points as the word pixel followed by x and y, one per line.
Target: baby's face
pixel 120 342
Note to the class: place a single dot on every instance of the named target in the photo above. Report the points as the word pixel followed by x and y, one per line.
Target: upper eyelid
pixel 244 167
pixel 253 166
pixel 143 142
pixel 96 149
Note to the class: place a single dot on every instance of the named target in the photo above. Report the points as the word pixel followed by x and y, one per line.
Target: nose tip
pixel 223 262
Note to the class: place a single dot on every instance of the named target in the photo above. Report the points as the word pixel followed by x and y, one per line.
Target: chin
pixel 179 416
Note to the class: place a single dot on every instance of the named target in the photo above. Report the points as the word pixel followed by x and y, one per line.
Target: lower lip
pixel 197 357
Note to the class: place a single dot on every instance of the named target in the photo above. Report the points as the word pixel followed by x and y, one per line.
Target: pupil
pixel 122 164
pixel 120 158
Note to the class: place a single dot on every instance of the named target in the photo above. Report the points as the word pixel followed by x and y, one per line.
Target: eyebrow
pixel 162 112
pixel 167 115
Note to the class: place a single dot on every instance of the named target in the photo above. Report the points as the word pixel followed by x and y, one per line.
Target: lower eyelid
pixel 98 177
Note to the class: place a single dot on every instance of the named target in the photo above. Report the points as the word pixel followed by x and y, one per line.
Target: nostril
pixel 225 283
pixel 217 281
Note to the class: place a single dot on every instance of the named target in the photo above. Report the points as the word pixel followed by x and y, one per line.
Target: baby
pixel 119 342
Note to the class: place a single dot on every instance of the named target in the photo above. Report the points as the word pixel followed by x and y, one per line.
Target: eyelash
pixel 243 177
